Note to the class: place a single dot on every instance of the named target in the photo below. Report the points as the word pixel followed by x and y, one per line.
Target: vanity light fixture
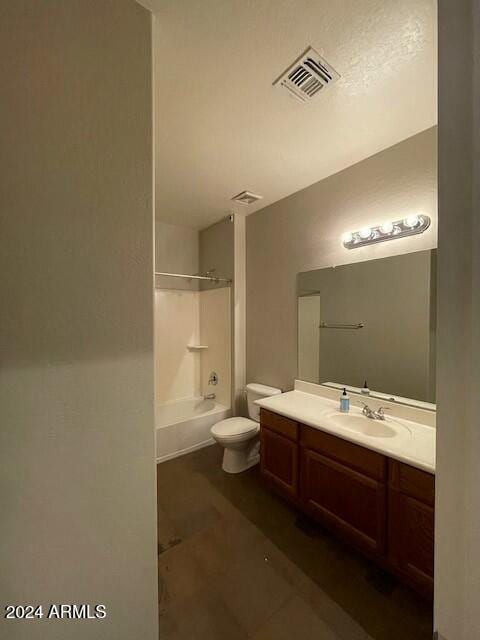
pixel 409 226
pixel 387 227
pixel 365 233
pixel 411 221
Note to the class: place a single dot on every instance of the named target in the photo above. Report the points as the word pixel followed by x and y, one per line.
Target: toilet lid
pixel 234 427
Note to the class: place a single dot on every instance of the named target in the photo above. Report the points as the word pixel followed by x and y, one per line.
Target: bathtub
pixel 184 425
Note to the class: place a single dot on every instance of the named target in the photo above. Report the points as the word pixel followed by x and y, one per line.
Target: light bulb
pixel 411 221
pixel 347 237
pixel 387 227
pixel 365 233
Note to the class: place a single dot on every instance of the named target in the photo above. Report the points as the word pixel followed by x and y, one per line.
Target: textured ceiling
pixel 221 127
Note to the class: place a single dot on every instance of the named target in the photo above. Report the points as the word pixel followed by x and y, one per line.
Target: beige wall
pixel 176 251
pixel 76 344
pixel 457 554
pixel 303 232
pixel 216 251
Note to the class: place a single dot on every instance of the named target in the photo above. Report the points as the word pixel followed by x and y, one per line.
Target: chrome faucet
pixel 368 412
pixel 379 414
pixel 209 396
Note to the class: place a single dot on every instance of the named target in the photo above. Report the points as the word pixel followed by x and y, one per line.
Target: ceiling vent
pixel 246 197
pixel 307 76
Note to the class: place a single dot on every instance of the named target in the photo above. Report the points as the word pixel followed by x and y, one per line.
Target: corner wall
pixel 215 331
pixel 77 472
pixel 239 317
pixel 304 231
pixel 457 508
pixel 219 250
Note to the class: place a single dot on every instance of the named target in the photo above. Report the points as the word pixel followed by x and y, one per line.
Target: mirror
pixel 373 321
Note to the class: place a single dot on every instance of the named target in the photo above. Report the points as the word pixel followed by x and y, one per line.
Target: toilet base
pixel 238 460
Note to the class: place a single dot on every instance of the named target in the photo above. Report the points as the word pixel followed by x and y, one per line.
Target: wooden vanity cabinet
pixel 279 453
pixel 382 507
pixel 411 500
pixel 343 486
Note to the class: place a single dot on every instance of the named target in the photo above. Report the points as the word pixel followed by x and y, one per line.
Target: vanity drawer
pixel 412 482
pixel 281 425
pixel 369 462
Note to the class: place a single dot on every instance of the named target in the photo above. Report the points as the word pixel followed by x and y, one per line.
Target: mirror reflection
pixel 371 321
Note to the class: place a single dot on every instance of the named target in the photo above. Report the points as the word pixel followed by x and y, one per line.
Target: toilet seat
pixel 233 429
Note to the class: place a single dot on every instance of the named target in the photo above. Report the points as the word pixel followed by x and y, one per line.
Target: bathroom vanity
pixel 366 475
pixel 376 492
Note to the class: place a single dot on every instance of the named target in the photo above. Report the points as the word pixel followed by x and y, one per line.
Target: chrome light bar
pixel 409 226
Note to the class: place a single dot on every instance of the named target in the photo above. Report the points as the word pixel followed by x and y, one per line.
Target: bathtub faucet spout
pixel 209 396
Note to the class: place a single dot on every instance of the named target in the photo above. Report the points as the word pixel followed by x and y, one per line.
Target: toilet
pixel 239 436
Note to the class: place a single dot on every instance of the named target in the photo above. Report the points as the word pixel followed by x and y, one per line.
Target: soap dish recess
pixel 197 347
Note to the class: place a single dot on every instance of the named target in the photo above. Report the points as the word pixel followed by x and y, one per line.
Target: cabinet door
pixel 279 462
pixel 411 499
pixel 345 501
pixel 411 540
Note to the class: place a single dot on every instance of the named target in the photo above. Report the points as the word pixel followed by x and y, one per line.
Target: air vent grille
pixel 246 197
pixel 305 78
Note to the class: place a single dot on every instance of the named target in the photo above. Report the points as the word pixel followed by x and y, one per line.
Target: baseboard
pixel 182 452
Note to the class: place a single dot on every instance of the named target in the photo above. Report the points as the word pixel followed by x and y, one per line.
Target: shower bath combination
pixel 192 360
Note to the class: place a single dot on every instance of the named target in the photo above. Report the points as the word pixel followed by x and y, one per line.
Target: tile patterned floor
pixel 236 562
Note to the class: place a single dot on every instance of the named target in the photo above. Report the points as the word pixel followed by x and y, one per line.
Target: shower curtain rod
pixel 189 277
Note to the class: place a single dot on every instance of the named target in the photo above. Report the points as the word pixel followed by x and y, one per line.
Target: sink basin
pixel 361 424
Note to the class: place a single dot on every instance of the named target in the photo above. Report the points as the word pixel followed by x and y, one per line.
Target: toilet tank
pixel 254 392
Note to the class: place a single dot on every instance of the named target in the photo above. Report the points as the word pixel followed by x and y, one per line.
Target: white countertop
pixel 412 443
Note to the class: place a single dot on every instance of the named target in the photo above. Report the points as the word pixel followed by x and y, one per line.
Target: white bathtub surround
pixel 177 325
pixel 184 425
pixel 215 332
pixel 407 440
pixel 192 339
